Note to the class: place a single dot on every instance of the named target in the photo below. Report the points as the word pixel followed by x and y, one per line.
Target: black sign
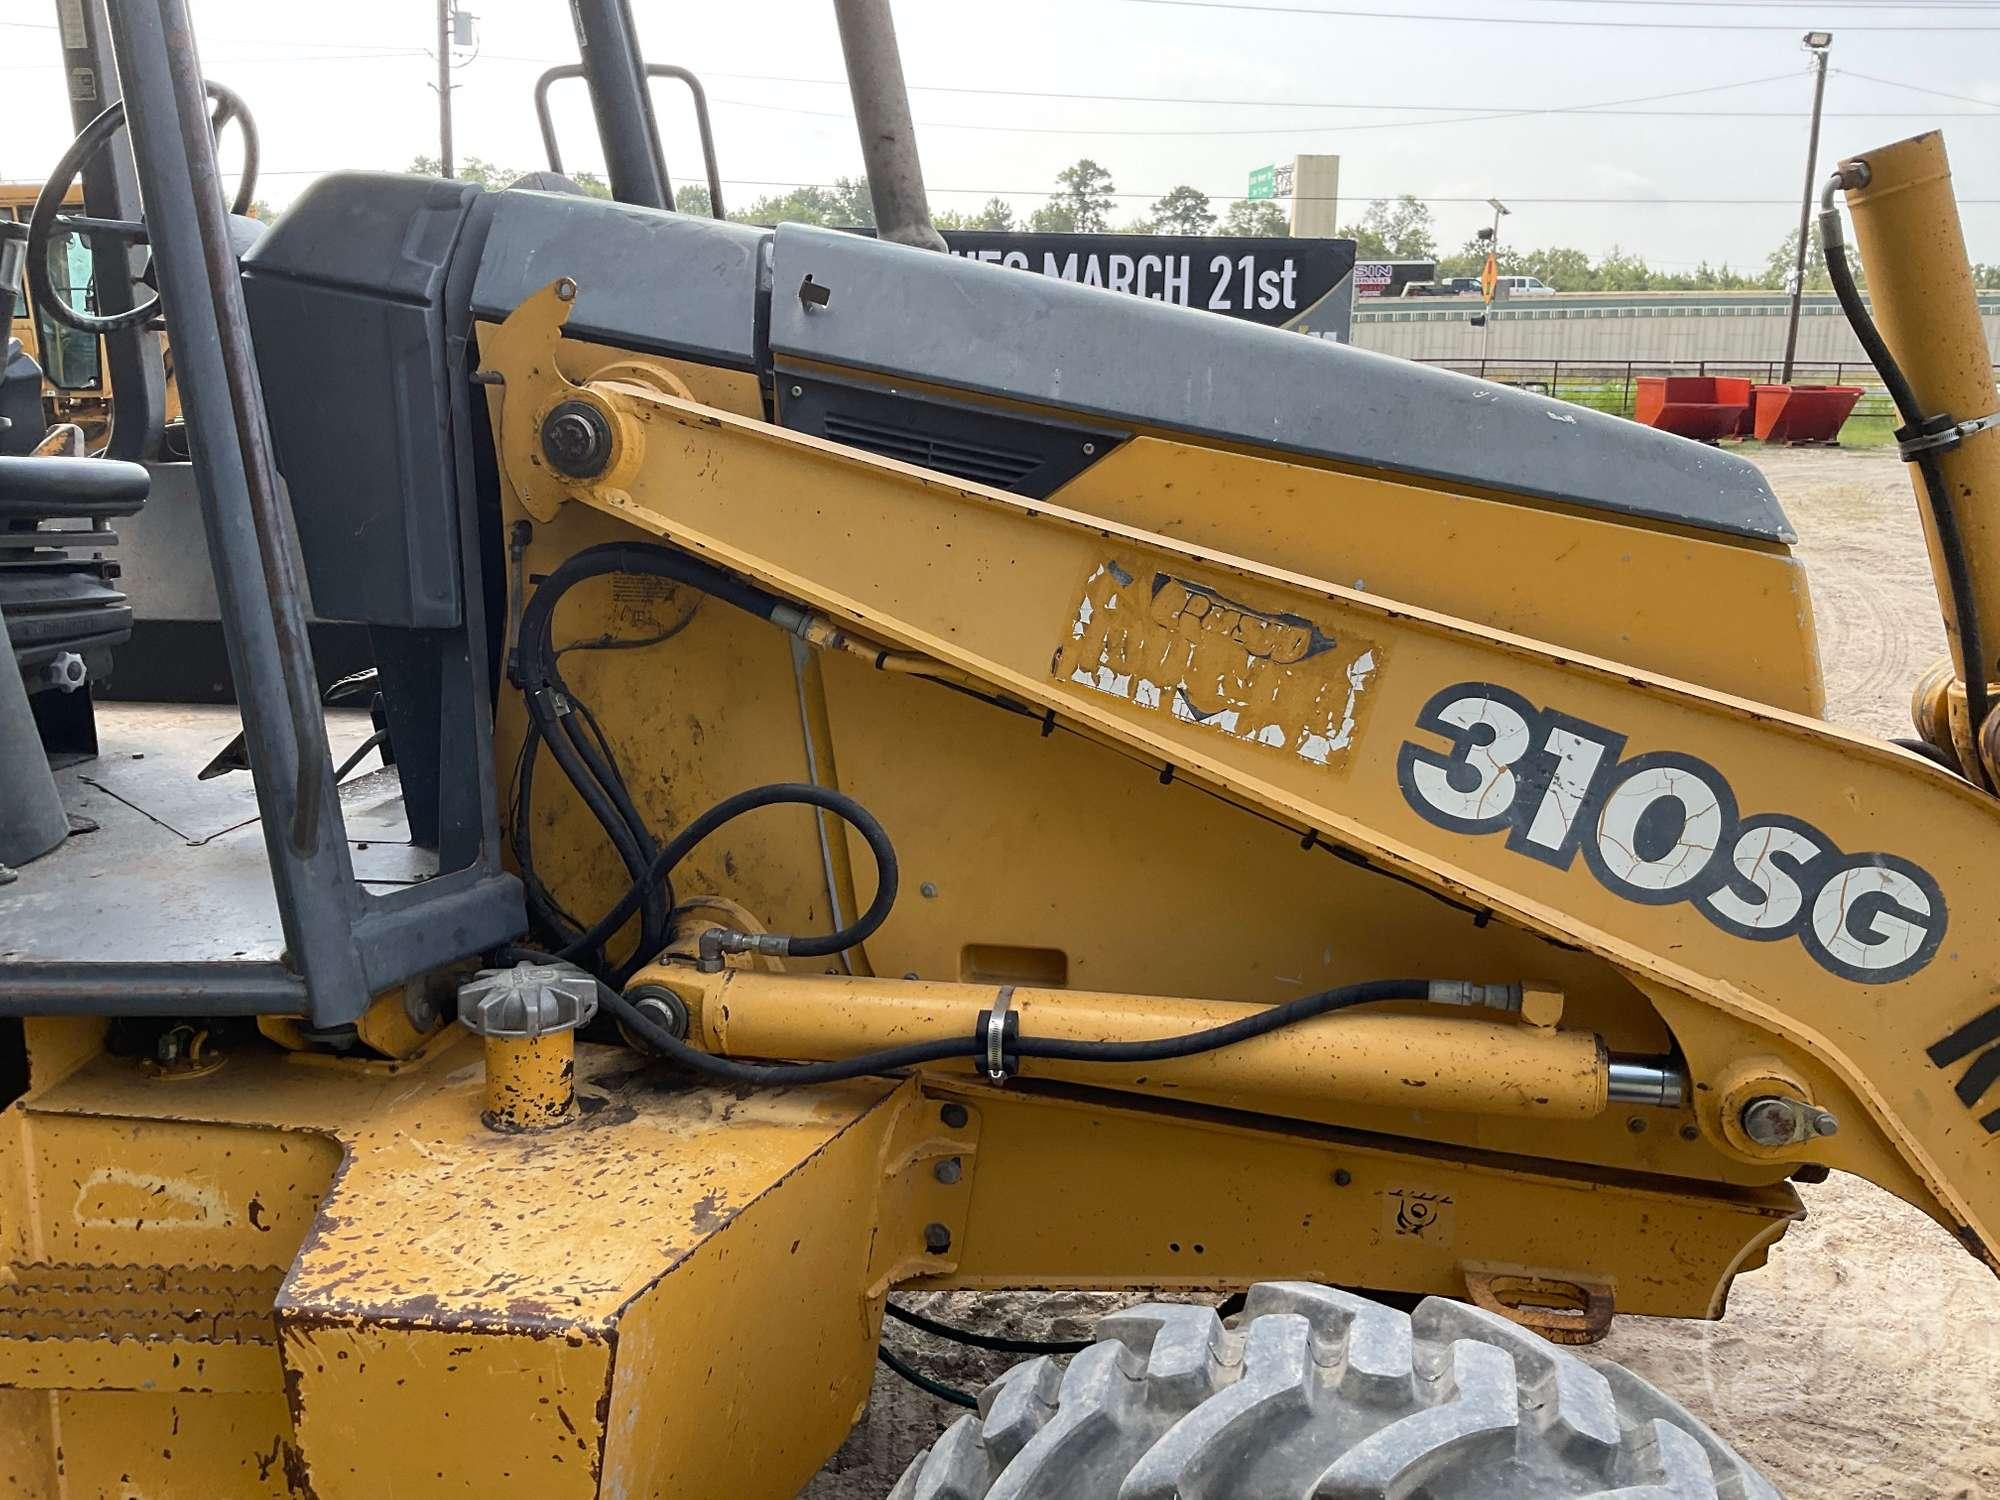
pixel 1306 285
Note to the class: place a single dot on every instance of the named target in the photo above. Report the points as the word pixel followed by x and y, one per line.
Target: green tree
pixel 806 205
pixel 1087 192
pixel 1054 217
pixel 1781 262
pixel 1395 229
pixel 997 213
pixel 857 205
pixel 1184 210
pixel 1261 218
pixel 1621 271
pixel 845 205
pixel 493 177
pixel 693 200
pixel 1559 266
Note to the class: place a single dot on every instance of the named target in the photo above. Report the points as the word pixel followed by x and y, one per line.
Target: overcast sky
pixel 1427 100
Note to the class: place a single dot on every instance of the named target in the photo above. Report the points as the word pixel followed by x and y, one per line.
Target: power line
pixel 1614 107
pixel 1283 103
pixel 1183 99
pixel 1041 192
pixel 244 62
pixel 1476 20
pixel 372 49
pixel 1917 88
pixel 1813 5
pixel 1231 195
pixel 1458 119
pixel 1321 127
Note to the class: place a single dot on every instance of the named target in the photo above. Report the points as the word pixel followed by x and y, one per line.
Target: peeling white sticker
pixel 1173 645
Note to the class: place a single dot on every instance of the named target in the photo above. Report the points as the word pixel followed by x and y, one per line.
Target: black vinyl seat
pixel 57 583
pixel 38 489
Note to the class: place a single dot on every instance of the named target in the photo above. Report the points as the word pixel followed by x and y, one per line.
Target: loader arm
pixel 1802 905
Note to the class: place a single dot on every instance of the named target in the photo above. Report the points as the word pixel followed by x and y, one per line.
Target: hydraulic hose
pixel 1916 423
pixel 580 748
pixel 784 793
pixel 1291 1013
pixel 914 1054
pixel 729 1070
pixel 643 558
pixel 996 1343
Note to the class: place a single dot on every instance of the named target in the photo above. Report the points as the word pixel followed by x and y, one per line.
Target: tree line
pixel 1403 228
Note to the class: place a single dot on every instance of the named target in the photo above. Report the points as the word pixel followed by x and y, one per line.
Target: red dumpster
pixel 1696 406
pixel 1803 413
pixel 1729 389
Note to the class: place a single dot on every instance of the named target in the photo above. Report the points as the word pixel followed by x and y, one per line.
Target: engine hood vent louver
pixel 1002 468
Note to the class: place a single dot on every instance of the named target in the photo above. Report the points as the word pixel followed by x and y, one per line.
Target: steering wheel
pixel 48 216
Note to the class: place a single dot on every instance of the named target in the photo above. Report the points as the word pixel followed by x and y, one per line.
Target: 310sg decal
pixel 1663 827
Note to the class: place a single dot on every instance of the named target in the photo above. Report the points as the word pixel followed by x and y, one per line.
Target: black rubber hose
pixel 1291 1013
pixel 643 558
pixel 547 911
pixel 914 1054
pixel 924 1382
pixel 728 1070
pixel 851 812
pixel 594 750
pixel 562 745
pixel 1944 520
pixel 588 762
pixel 998 1343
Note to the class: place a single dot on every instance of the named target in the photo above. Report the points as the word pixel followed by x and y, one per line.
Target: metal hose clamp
pixel 1949 435
pixel 996 1035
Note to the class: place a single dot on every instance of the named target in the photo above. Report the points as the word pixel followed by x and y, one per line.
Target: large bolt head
pixel 1772 1121
pixel 576 440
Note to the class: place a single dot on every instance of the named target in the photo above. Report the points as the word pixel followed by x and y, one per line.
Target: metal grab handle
pixel 553 149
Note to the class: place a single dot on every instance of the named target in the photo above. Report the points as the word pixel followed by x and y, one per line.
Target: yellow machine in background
pixel 1227 857
pixel 76 385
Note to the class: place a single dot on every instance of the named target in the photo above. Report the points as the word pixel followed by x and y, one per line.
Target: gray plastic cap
pixel 527 1001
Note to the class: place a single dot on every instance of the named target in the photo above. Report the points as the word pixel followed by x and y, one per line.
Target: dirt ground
pixel 1864 1360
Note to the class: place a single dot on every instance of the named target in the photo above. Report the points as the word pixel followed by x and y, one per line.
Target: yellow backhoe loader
pixel 912 775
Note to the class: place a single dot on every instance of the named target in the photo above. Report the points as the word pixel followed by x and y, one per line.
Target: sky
pixel 1454 101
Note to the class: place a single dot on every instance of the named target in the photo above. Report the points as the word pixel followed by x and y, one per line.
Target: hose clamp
pixel 1946 437
pixel 996 1036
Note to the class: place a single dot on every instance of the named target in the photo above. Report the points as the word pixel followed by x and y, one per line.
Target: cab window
pixel 20 288
pixel 70 360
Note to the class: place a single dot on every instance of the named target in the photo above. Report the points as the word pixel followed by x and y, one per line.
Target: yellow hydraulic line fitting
pixel 1907 229
pixel 528 1016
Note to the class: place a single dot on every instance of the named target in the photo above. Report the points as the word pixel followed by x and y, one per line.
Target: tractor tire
pixel 1316 1394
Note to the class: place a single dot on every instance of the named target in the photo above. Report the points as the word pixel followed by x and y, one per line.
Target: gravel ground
pixel 1864 1360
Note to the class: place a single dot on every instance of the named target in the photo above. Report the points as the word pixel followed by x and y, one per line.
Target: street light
pixel 1492 239
pixel 1817 43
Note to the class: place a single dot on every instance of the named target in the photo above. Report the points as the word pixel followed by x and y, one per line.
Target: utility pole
pixel 444 88
pixel 1817 43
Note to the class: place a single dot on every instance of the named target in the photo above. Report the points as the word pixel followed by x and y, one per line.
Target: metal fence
pixel 1612 386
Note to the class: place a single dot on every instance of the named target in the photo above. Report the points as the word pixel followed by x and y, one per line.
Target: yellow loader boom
pixel 914 775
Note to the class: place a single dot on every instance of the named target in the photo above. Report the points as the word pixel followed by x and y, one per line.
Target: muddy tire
pixel 1319 1393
